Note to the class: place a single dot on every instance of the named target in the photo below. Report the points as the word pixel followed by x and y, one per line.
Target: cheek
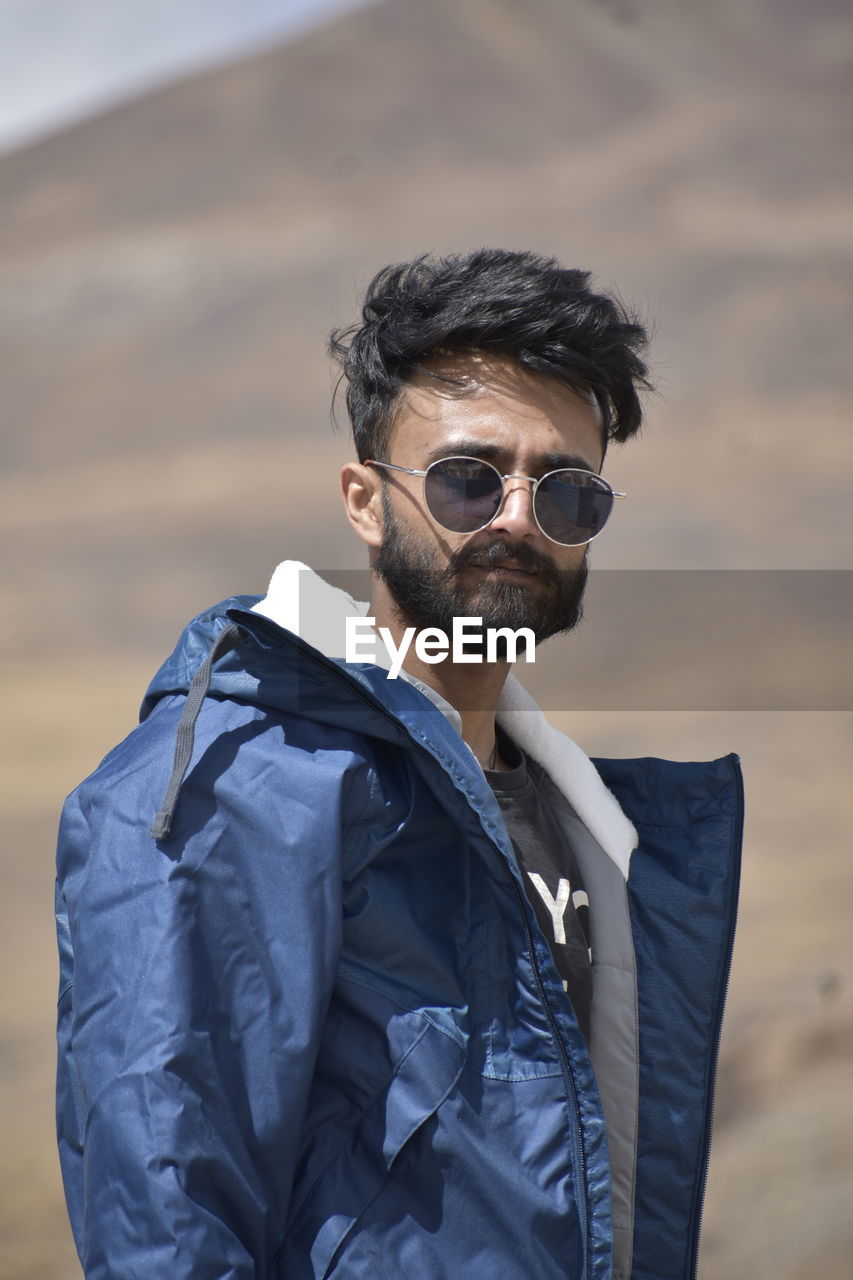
pixel 445 545
pixel 572 558
pixel 419 532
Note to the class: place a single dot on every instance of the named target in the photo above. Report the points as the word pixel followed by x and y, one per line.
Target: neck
pixel 472 688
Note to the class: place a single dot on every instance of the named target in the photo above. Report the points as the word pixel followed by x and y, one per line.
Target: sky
pixel 63 60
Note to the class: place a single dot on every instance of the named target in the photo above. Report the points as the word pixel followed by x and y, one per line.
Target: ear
pixel 361 490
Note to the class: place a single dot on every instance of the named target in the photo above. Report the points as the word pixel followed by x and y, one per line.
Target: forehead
pixel 462 400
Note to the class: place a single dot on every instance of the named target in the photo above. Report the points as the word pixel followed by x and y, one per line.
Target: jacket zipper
pixel 577 1144
pixel 735 865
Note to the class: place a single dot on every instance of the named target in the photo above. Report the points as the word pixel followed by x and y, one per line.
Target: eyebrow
pixel 493 453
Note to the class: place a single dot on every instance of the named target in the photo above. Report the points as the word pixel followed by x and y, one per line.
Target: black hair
pixel 516 304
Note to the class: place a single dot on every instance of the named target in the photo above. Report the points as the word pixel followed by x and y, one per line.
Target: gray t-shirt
pixel 549 871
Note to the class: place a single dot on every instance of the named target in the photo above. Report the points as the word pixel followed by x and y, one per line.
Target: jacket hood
pixel 297 664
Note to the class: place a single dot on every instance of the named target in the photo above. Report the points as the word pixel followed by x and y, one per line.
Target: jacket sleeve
pixel 195 978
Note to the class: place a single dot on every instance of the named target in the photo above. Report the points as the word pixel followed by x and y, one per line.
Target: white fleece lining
pixel 302 602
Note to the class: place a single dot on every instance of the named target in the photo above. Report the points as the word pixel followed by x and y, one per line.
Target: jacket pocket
pixel 421 1080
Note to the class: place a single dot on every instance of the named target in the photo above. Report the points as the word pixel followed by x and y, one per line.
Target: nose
pixel 515 514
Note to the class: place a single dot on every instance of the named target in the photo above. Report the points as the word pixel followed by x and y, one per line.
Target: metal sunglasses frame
pixel 511 475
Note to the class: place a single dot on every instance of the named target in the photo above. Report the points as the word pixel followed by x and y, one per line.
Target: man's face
pixel 509 574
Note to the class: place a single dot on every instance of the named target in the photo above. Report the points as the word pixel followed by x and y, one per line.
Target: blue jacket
pixel 313 1029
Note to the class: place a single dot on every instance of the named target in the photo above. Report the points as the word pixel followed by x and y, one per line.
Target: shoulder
pixel 257 776
pixel 674 793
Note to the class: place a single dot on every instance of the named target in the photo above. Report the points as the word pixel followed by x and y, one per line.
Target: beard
pixel 429 596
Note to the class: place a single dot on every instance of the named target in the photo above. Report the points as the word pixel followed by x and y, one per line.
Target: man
pixel 400 983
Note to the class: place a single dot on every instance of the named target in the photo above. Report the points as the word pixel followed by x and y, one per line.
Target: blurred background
pixel 193 195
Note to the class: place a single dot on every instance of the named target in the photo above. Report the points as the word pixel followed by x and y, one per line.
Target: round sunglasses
pixel 571 506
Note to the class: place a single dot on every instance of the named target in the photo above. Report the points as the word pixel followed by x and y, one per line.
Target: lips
pixel 508 566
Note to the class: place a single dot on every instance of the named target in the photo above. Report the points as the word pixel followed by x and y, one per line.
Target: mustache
pixel 496 554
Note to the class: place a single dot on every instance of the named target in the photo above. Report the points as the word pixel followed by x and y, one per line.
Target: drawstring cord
pixel 227 639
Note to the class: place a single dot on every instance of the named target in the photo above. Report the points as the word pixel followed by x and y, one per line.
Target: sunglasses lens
pixel 462 494
pixel 572 506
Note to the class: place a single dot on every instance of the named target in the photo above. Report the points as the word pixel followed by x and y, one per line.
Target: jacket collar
pixel 301 601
